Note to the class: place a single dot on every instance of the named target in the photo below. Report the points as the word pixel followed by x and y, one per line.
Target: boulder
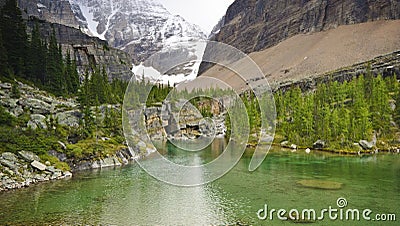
pixel 9 164
pixel 69 118
pixel 67 174
pixel 5 86
pixel 29 156
pixel 319 144
pixel 9 156
pixel 38 165
pixel 37 121
pixel 285 143
pixel 320 184
pixel 293 146
pixel 366 145
pixel 107 162
pixel 56 175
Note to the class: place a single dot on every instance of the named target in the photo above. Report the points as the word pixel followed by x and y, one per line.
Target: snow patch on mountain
pixel 185 57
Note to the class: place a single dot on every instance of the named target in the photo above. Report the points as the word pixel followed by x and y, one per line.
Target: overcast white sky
pixel 205 13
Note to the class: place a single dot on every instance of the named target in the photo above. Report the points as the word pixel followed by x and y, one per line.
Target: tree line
pixel 340 113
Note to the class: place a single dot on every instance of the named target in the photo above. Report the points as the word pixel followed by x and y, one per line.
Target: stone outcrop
pixel 253 25
pixel 163 122
pixel 122 157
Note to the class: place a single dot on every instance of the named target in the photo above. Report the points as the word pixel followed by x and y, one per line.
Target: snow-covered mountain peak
pixel 139 27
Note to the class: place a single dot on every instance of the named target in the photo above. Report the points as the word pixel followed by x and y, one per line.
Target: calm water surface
pixel 129 196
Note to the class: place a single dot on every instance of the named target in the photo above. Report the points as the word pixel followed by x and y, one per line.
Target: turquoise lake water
pixel 129 196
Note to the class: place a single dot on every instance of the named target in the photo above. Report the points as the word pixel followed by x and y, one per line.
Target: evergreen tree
pixel 13 31
pixel 380 109
pixel 396 116
pixel 55 80
pixel 37 57
pixel 4 67
pixel 15 93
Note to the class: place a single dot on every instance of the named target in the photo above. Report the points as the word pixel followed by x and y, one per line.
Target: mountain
pixel 253 25
pixel 296 40
pixel 139 27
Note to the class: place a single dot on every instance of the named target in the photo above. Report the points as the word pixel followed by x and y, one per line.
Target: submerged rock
pixel 320 184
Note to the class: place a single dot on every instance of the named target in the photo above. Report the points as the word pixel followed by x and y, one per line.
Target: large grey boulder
pixel 107 162
pixel 5 86
pixel 37 121
pixel 29 156
pixel 9 156
pixel 69 118
pixel 366 145
pixel 9 164
pixel 67 174
pixel 38 165
pixel 319 144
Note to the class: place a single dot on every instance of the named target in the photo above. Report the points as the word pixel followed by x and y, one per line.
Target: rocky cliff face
pixel 88 51
pixel 253 25
pixel 52 11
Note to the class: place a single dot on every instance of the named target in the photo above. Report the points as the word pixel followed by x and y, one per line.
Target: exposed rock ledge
pixel 122 157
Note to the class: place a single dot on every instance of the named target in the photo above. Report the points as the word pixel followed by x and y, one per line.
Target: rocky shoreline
pixel 26 168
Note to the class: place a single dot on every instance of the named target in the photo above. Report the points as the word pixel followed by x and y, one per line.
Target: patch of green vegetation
pixel 93 148
pixel 341 114
pixel 55 162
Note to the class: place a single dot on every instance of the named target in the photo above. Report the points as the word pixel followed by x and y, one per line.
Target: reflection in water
pixel 129 196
